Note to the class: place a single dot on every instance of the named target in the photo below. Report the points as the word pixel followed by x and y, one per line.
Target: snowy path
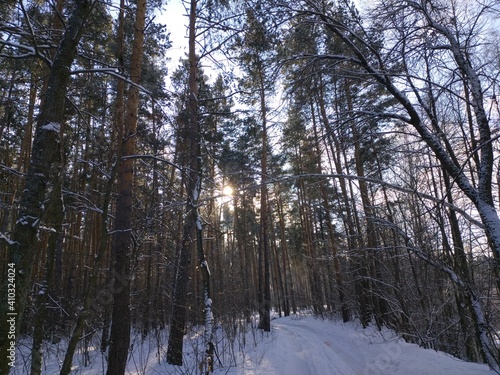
pixel 306 350
pixel 316 347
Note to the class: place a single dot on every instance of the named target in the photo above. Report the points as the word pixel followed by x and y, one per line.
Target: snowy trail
pixel 316 347
pixel 310 352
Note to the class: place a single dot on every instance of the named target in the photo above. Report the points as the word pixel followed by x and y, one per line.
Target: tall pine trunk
pixel 191 179
pixel 116 139
pixel 121 250
pixel 264 266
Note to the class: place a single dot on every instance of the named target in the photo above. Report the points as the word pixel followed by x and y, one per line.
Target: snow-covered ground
pixel 321 347
pixel 296 346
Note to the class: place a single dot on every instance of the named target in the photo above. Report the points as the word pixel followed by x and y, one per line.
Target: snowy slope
pixel 304 346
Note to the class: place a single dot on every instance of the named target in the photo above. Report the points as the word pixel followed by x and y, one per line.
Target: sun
pixel 227 191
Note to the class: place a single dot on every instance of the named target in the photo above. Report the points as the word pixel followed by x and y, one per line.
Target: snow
pixel 199 224
pixel 10 242
pixel 52 126
pixel 209 318
pixel 196 192
pixel 309 346
pixel 28 220
pixel 295 346
pixel 30 50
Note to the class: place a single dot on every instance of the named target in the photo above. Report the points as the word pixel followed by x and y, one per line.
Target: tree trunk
pixel 44 171
pixel 460 265
pixel 191 179
pixel 56 216
pixel 115 139
pixel 284 256
pixel 264 266
pixel 121 251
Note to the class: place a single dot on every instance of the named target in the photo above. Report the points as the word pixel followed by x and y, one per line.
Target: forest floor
pixel 295 346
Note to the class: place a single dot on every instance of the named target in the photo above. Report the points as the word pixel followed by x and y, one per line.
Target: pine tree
pixel 44 173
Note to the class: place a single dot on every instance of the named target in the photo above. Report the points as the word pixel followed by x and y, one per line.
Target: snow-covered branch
pixel 154 157
pixel 114 73
pixel 4 238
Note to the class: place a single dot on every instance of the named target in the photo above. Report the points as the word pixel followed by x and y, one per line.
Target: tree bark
pixel 44 171
pixel 56 216
pixel 264 266
pixel 121 251
pixel 192 180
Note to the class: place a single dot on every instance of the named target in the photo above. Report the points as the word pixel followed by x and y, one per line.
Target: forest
pixel 332 156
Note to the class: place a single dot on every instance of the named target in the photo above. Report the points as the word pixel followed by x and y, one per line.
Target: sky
pixel 176 20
